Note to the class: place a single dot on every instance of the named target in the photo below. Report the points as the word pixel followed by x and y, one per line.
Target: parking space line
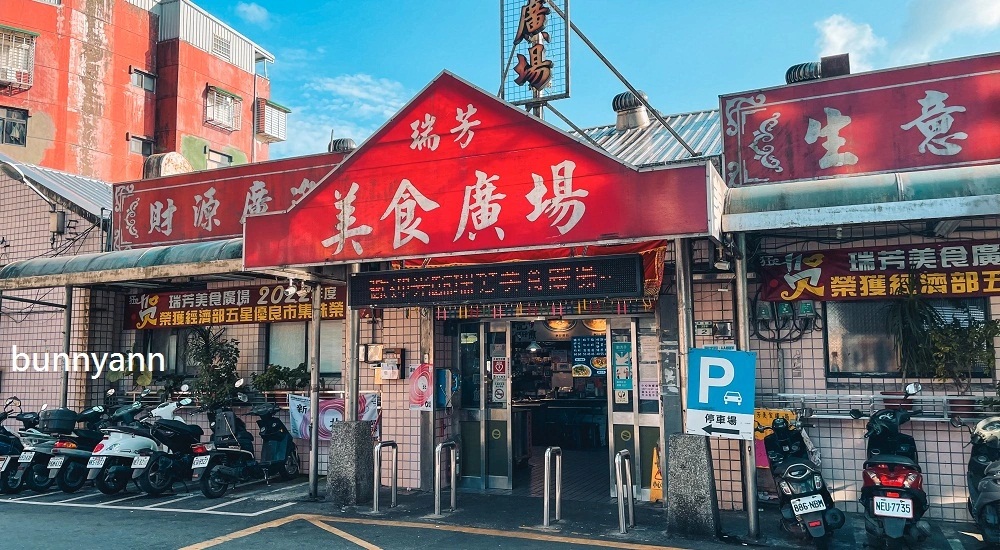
pixel 178 510
pixel 119 500
pixel 278 507
pixel 344 535
pixel 32 496
pixel 169 501
pixel 78 498
pixel 244 532
pixel 224 504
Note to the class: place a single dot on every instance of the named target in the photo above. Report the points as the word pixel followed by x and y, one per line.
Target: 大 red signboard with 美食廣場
pixel 459 171
pixel 924 116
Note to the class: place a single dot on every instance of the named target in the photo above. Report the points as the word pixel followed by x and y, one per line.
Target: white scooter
pixel 108 465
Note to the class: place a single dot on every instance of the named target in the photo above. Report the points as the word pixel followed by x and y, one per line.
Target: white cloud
pixel 930 24
pixel 253 13
pixel 838 34
pixel 351 106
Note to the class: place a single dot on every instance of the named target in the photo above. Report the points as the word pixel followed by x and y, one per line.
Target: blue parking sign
pixel 721 391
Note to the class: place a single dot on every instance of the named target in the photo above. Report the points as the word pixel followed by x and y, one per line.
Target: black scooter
pixel 892 490
pixel 983 476
pixel 156 471
pixel 807 509
pixel 229 458
pixel 11 446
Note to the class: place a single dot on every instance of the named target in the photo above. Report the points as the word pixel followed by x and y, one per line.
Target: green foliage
pixel 276 377
pixel 298 378
pixel 216 358
pixel 169 384
pixel 909 317
pixel 960 346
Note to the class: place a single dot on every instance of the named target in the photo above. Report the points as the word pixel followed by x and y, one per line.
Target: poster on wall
pixel 621 360
pixel 589 356
pixel 330 411
pixel 421 390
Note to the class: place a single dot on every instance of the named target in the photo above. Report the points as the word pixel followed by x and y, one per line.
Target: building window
pixel 219 160
pixel 140 146
pixel 858 341
pixel 223 109
pixel 271 120
pixel 288 345
pixel 143 80
pixel 13 126
pixel 221 47
pixel 173 344
pixel 17 58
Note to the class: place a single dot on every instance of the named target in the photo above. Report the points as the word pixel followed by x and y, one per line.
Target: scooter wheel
pixel 156 478
pixel 8 485
pixel 212 483
pixel 110 485
pixel 36 478
pixel 290 468
pixel 71 478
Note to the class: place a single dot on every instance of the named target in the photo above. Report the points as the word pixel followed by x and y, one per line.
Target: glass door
pixel 484 411
pixel 634 400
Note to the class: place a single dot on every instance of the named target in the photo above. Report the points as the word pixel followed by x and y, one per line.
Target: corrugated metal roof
pixel 653 144
pixel 89 194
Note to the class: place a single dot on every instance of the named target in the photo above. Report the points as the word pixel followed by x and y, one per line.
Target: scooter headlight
pixel 785 487
pixel 818 482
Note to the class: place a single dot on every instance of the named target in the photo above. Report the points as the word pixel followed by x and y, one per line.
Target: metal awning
pixel 930 194
pixel 179 260
pixel 88 197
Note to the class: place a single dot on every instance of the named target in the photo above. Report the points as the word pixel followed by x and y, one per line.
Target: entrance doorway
pixel 583 384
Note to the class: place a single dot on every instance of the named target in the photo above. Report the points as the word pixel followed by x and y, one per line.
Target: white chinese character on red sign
pixel 564 198
pixel 986 254
pixel 346 219
pixel 954 256
pixel 422 135
pixel 257 199
pixel 205 209
pixel 934 122
pixel 480 206
pixel 862 261
pixel 162 219
pixel 306 186
pixel 404 204
pixel 465 125
pixel 923 258
pixel 835 122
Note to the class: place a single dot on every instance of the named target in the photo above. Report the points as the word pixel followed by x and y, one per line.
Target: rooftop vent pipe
pixel 631 112
pixel 341 145
pixel 833 65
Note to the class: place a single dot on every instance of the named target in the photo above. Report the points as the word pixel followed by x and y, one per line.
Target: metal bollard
pixel 378 472
pixel 626 457
pixel 453 448
pixel 548 463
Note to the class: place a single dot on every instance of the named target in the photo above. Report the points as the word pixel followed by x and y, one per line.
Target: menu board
pixel 590 356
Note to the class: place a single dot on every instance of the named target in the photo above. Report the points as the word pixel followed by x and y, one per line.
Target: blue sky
pixel 348 66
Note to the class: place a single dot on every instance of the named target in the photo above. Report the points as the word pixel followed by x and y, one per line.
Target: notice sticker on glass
pixel 649 389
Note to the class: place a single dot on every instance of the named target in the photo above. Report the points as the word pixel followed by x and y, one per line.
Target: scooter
pixel 229 458
pixel 110 465
pixel 892 490
pixel 156 470
pixel 32 470
pixel 11 446
pixel 983 476
pixel 807 509
pixel 68 466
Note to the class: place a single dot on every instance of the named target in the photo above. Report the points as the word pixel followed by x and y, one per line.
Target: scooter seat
pixel 141 432
pixel 178 426
pixel 992 469
pixel 795 468
pixel 892 460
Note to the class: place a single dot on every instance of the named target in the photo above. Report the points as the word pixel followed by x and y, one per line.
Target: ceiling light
pixel 291 290
pixel 534 347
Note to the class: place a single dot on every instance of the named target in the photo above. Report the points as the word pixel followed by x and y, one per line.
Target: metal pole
pixel 685 313
pixel 67 338
pixel 631 490
pixel 621 494
pixel 395 474
pixel 743 343
pixel 453 449
pixel 559 485
pixel 454 477
pixel 378 472
pixel 548 483
pixel 351 386
pixel 548 467
pixel 437 479
pixel 314 351
pixel 378 476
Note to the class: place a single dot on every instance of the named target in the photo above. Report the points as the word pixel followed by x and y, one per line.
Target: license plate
pixel 3 463
pixel 894 507
pixel 200 461
pixel 96 461
pixel 140 462
pixel 804 505
pixel 26 456
pixel 56 462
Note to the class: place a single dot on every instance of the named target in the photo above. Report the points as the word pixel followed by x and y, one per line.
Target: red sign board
pixel 924 116
pixel 459 171
pixel 207 206
pixel 940 269
pixel 229 306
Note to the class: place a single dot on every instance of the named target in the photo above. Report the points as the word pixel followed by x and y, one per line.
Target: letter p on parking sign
pixel 721 393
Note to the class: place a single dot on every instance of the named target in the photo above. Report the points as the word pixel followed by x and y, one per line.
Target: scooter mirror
pixel 144 392
pixel 10 401
pixel 913 388
pixel 956 421
pixel 242 397
pixel 185 387
pixel 44 406
pixel 185 402
pixel 110 392
pixel 857 414
pixel 239 383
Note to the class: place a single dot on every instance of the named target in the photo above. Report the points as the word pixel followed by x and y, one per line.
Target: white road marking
pixel 120 500
pixel 168 501
pixel 178 510
pixel 78 498
pixel 225 504
pixel 31 496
